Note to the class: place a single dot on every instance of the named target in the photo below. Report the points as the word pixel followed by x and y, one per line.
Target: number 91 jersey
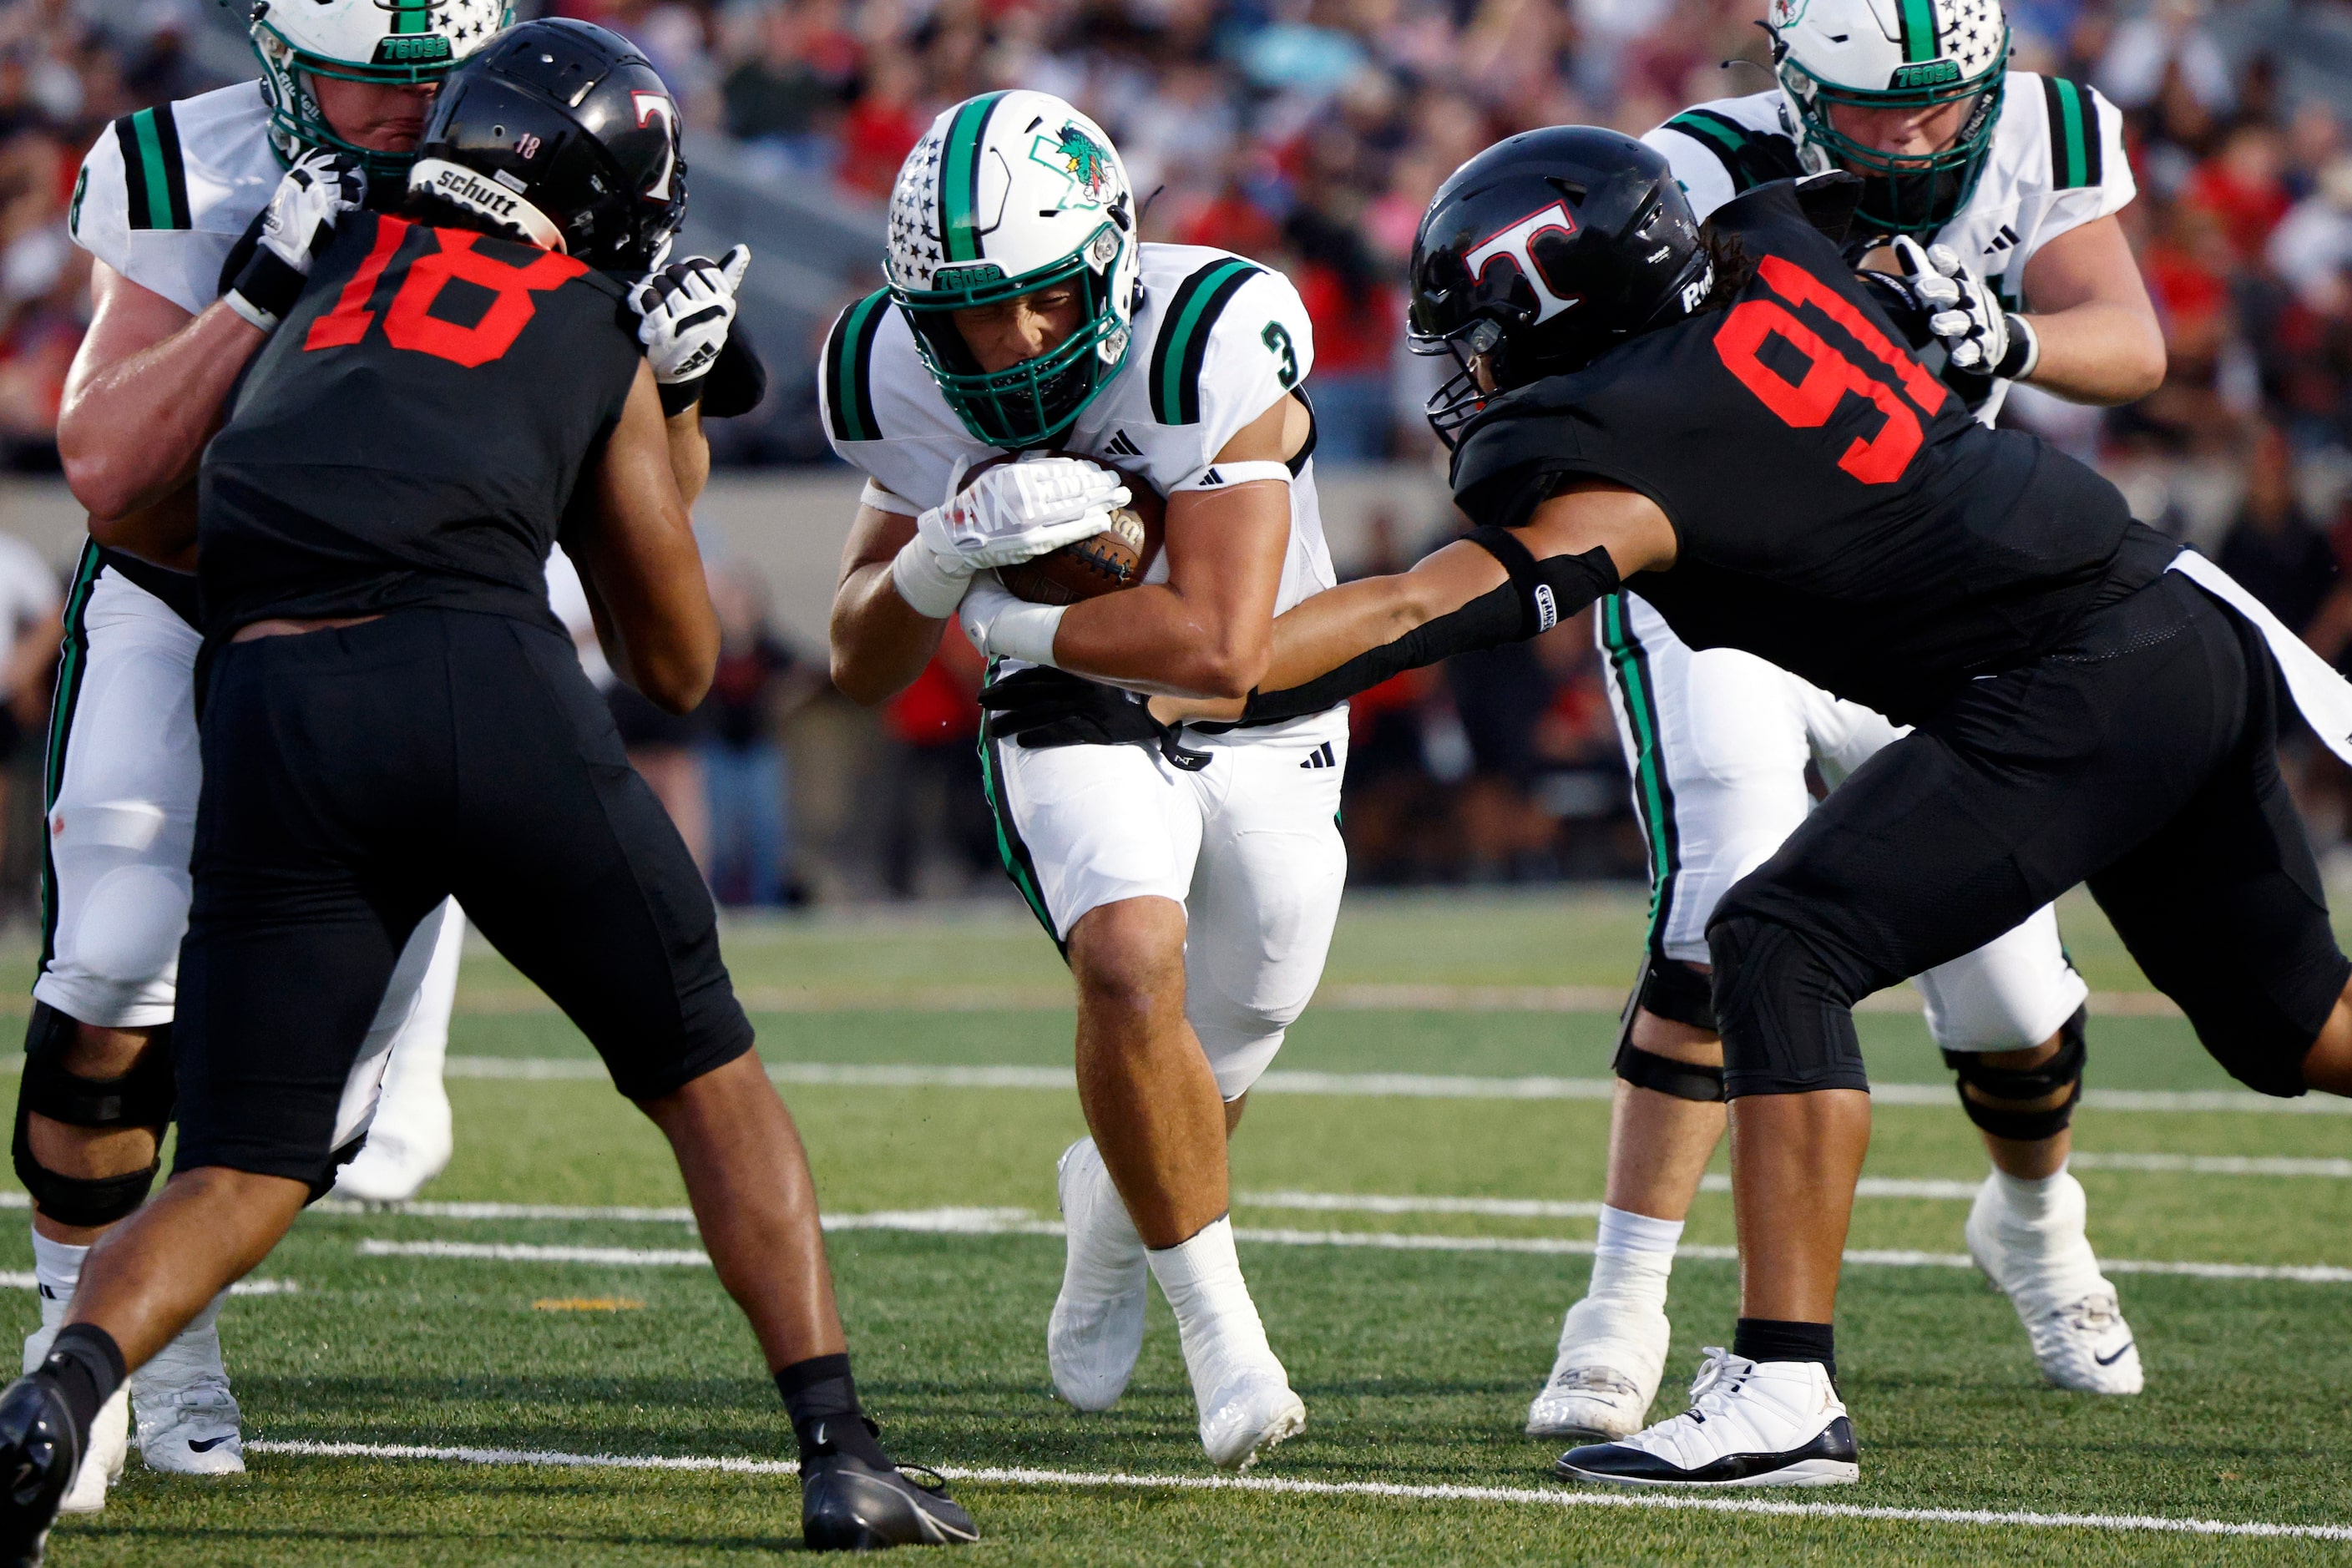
pixel 1217 341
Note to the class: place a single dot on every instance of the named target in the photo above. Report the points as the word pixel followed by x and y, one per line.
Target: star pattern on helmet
pixel 1972 31
pixel 915 252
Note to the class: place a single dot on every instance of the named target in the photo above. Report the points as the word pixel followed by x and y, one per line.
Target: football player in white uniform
pixel 161 202
pixel 2014 179
pixel 1190 878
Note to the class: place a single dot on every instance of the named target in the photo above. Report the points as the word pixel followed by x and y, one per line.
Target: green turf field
pixel 1415 1331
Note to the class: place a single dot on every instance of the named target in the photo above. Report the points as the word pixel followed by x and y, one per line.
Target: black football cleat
pixel 39 1456
pixel 849 1504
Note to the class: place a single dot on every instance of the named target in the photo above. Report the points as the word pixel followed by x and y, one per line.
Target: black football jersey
pixel 414 431
pixel 1837 511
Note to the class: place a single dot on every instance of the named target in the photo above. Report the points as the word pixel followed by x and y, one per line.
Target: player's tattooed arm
pixel 630 534
pixel 148 387
pixel 2099 341
pixel 1472 594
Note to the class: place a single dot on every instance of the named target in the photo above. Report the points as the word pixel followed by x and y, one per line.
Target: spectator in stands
pixel 2273 548
pixel 744 769
pixel 30 631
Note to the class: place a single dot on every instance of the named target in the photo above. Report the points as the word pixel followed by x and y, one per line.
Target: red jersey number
pixel 409 324
pixel 1807 405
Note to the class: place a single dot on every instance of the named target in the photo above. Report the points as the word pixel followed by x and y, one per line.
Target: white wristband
pixel 1026 632
pixel 929 583
pixel 251 312
pixel 1225 476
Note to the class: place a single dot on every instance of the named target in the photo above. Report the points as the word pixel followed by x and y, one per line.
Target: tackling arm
pixel 148 388
pixel 1477 593
pixel 2099 338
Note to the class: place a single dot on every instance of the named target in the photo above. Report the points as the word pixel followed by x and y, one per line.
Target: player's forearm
pixel 879 642
pixel 164 533
pixel 2098 351
pixel 689 452
pixel 132 432
pixel 1156 639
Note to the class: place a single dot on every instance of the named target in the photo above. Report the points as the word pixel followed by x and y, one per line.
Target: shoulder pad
pixel 1750 157
pixel 2077 138
pixel 1186 324
pixel 848 376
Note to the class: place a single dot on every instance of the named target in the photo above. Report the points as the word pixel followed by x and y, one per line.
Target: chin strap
pixel 1540 596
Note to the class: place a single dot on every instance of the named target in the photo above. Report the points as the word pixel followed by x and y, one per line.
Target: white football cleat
pixel 1612 1351
pixel 187 1417
pixel 1751 1424
pixel 1246 1403
pixel 1097 1328
pixel 2048 1271
pixel 110 1433
pixel 408 1144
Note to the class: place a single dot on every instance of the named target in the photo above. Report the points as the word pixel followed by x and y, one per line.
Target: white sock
pixel 56 1268
pixel 1202 1279
pixel 2031 1201
pixel 1633 1256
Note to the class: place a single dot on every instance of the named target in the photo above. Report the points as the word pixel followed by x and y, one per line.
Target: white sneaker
pixel 110 1435
pixel 1751 1424
pixel 2050 1275
pixel 1612 1351
pixel 1247 1405
pixel 1097 1328
pixel 187 1417
pixel 407 1146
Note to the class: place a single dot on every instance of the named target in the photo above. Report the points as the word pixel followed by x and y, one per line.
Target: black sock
pixel 1775 1339
pixel 87 1365
pixel 822 1398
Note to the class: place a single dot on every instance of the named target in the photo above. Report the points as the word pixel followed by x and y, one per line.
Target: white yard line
pixel 1386 1085
pixel 2214 1164
pixel 1559 1497
pixel 24 1279
pixel 961 1221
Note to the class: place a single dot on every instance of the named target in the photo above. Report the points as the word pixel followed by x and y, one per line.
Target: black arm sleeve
pixel 1540 596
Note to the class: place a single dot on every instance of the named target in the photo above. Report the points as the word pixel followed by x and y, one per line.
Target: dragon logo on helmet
pixel 1079 159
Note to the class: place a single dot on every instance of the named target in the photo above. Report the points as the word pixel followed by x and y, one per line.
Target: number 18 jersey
pixel 1837 511
pixel 413 432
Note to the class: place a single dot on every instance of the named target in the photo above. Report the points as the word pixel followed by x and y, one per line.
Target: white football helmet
pixel 1894 54
pixel 1007 194
pixel 385 41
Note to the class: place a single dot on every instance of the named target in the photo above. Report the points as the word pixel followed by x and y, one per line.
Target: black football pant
pixel 354 779
pixel 2141 759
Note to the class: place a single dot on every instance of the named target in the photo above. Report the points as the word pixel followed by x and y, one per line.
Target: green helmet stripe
pixel 960 178
pixel 1919 24
pixel 1183 342
pixel 411 19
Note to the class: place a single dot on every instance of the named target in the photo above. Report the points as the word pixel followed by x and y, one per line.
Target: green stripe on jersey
pixel 848 369
pixel 959 179
pixel 2076 146
pixel 1184 333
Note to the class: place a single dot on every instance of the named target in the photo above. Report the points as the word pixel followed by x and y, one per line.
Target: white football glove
pixel 1979 335
pixel 1012 513
pixel 685 311
pixel 1000 626
pixel 294 227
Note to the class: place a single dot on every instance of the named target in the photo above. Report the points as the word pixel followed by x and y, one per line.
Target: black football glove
pixel 1045 708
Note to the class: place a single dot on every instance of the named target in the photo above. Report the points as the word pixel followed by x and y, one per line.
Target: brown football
pixel 1116 558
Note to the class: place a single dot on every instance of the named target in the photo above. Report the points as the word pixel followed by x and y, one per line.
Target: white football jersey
pixel 2056 162
pixel 1217 341
pixel 166 193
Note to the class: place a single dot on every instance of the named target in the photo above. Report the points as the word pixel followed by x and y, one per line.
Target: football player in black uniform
pixel 392 716
pixel 1728 420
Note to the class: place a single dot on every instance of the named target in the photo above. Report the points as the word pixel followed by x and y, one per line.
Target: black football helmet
pixel 561 132
pixel 1542 253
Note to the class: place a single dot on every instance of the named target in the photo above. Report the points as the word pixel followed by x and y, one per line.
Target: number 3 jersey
pixel 413 432
pixel 1216 341
pixel 1836 510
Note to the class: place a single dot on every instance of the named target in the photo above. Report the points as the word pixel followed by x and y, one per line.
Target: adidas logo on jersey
pixel 1211 479
pixel 1119 446
pixel 2005 240
pixel 1321 757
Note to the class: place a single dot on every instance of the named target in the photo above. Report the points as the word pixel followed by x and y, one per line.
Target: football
pixel 1116 558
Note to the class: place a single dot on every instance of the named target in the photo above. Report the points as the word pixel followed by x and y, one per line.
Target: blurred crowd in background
pixel 1310 134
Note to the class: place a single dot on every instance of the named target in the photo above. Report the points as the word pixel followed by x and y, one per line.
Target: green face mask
pixel 1905 194
pixel 1034 401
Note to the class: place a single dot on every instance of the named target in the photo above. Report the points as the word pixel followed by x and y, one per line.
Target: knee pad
pixel 1683 1080
pixel 2063 1071
pixel 140 1097
pixel 1671 989
pixel 1786 1011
